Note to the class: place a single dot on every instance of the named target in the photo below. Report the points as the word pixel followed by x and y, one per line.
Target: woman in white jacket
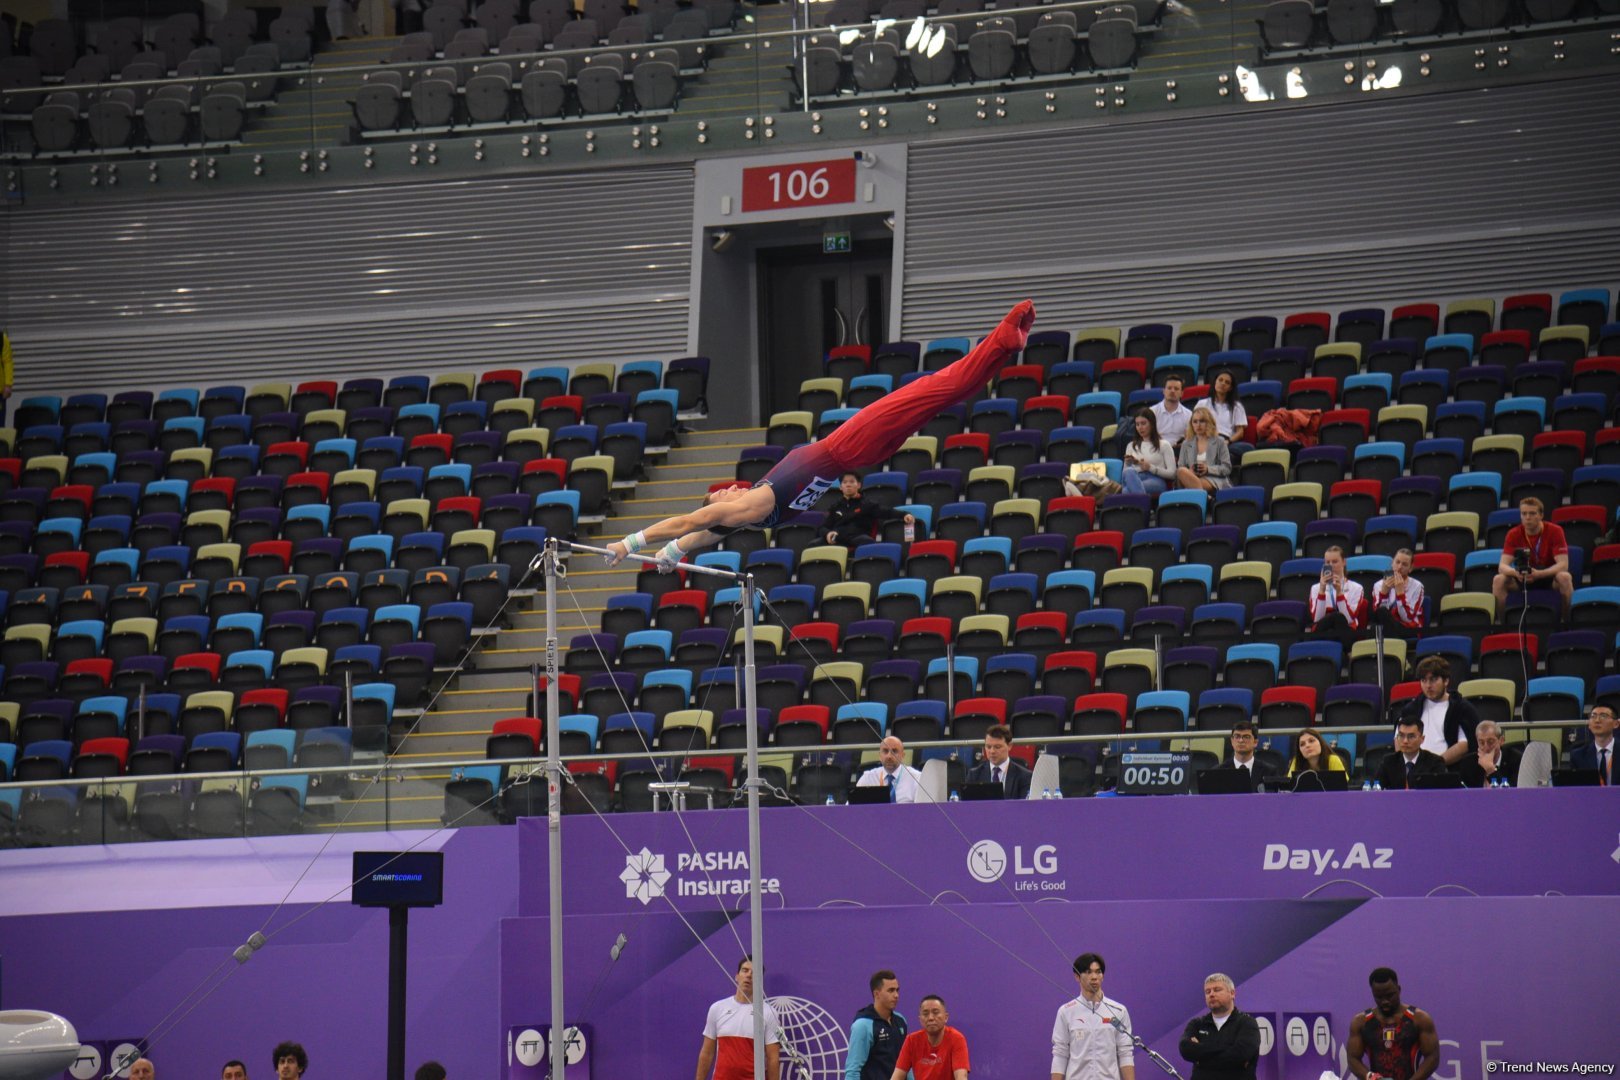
pixel 1150 462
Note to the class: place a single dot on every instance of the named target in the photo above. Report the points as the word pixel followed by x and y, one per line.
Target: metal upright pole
pixel 559 1030
pixel 756 907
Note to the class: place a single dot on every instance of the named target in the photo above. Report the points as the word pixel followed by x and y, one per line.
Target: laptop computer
pixel 1225 782
pixel 862 796
pixel 989 789
pixel 1575 778
pixel 1310 780
pixel 1437 782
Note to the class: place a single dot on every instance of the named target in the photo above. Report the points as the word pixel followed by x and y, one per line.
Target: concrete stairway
pixel 500 676
pixel 748 78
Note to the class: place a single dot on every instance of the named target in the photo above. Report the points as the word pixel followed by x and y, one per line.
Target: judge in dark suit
pixel 1492 761
pixel 999 766
pixel 1245 740
pixel 1598 753
pixel 1224 1043
pixel 1409 760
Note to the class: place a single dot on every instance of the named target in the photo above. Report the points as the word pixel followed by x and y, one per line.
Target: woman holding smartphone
pixel 1150 463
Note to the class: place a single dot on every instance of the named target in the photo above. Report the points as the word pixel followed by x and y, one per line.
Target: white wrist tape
pixel 635 542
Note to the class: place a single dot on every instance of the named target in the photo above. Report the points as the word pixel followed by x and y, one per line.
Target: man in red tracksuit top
pixel 872 435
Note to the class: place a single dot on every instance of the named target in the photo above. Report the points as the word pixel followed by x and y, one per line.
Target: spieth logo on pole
pixel 644 876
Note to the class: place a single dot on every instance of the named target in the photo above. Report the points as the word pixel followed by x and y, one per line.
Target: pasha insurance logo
pixel 644 876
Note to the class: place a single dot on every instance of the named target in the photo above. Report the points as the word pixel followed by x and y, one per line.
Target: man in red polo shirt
pixel 1546 552
pixel 938 1051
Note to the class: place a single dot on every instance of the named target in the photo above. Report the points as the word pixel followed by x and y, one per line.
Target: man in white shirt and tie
pixel 1245 741
pixel 1599 752
pixel 999 766
pixel 904 782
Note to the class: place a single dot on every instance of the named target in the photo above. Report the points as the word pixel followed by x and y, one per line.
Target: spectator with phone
pixel 1336 601
pixel 1397 599
pixel 1150 461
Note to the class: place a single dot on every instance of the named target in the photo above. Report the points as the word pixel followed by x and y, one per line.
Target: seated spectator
pixel 1336 601
pixel 1150 462
pixel 1598 752
pixel 1410 760
pixel 1312 755
pixel 1231 422
pixel 1535 554
pixel 854 519
pixel 1493 762
pixel 1245 740
pixel 904 782
pixel 1205 462
pixel 1170 418
pixel 1397 600
pixel 1447 721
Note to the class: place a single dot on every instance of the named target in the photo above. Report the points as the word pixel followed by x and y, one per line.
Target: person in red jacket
pixel 938 1051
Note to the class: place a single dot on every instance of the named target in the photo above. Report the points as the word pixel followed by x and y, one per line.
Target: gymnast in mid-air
pixel 872 435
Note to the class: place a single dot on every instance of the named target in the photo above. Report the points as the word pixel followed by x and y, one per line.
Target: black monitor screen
pixel 392 878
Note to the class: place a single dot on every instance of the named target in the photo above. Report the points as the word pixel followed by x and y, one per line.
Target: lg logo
pixel 987 861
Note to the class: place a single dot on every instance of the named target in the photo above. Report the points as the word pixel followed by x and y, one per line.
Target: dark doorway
pixel 810 303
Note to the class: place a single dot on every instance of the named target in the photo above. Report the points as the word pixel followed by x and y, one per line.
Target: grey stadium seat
pixel 543 92
pixel 111 120
pixel 819 72
pixel 140 71
pixel 1024 20
pixel 489 93
pixel 56 122
pixel 656 81
pixel 223 112
pixel 552 15
pixel 629 33
pixel 658 13
pixel 876 65
pixel 1052 48
pixel 376 104
pixel 1287 24
pixel 477 34
pixel 599 87
pixel 20 73
pixel 291 37
pixel 721 13
pixel 990 54
pixel 1416 16
pixel 686 33
pixel 257 70
pixel 606 13
pixel 54 45
pixel 465 49
pixel 1474 14
pixel 232 35
pixel 1112 43
pixel 433 101
pixel 1350 22
pixel 167 115
pixel 442 21
pixel 1548 10
pixel 119 41
pixel 89 69
pixel 175 37
pixel 939 69
pixel 497 17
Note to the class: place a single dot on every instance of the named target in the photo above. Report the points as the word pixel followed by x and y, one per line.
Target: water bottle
pixel 1366 785
pixel 1377 786
pixel 1046 793
pixel 911 531
pixel 954 796
pixel 830 801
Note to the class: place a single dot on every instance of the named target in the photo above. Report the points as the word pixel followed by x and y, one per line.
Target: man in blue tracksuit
pixel 876 1034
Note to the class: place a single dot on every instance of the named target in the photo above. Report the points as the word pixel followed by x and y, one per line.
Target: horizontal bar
pixel 713 571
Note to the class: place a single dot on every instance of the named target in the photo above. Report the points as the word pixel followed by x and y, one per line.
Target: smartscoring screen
pixel 398 879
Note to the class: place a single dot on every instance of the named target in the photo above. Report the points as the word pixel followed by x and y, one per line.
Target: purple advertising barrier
pixel 1507 979
pixel 1350 844
pixel 117 939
